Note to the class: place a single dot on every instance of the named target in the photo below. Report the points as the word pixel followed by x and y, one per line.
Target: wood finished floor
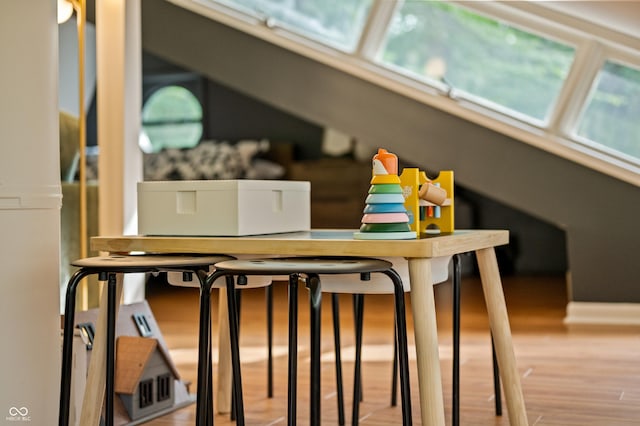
pixel 570 377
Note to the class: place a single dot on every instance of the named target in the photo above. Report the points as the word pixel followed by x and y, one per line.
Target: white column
pixel 29 212
pixel 119 69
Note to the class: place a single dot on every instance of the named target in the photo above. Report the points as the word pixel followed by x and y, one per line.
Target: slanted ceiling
pixel 599 213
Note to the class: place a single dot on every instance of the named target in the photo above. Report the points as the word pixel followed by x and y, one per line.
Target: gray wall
pixel 598 213
pixel 232 116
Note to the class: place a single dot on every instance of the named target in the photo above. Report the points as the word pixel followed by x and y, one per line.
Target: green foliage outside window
pixel 613 110
pixel 336 22
pixel 481 56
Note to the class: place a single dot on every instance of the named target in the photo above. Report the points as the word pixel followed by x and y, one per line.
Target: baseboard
pixel 595 313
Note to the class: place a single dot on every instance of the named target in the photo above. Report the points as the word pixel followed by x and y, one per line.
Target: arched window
pixel 171 118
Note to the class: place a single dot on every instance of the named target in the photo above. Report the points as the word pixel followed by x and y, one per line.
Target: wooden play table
pixel 341 243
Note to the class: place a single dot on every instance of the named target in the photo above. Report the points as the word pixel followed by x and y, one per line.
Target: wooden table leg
pixel 225 376
pixel 426 339
pixel 499 322
pixel 96 379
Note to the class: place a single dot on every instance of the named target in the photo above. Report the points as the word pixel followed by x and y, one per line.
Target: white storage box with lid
pixel 223 207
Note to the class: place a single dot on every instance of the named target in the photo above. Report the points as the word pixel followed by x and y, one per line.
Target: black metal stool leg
pixel 455 404
pixel 358 329
pixel 292 368
pixel 67 346
pixel 210 413
pixel 269 301
pixel 496 380
pixel 357 374
pixel 204 395
pixel 403 354
pixel 209 393
pixel 238 296
pixel 202 276
pixel 235 355
pixel 111 340
pixel 335 310
pixel 394 368
pixel 315 299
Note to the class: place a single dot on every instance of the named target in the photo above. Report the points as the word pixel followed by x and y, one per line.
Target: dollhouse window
pixel 164 387
pixel 145 388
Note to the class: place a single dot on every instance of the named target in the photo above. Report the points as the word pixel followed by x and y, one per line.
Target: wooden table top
pixel 321 242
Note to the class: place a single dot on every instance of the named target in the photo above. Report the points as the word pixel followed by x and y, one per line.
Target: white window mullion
pixel 375 28
pixel 590 56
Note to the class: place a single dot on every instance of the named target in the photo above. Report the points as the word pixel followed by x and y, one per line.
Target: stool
pixel 440 274
pixel 106 267
pixel 359 288
pixel 175 278
pixel 311 268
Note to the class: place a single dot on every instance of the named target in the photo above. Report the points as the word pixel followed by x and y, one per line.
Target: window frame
pixel 555 137
pixel 595 46
pixel 571 130
pixel 287 29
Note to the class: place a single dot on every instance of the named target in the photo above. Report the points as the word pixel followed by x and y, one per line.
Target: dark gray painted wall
pixel 232 116
pixel 599 213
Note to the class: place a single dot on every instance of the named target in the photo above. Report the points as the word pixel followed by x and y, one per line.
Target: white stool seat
pixel 352 284
pixel 309 265
pixel 253 281
pixel 147 262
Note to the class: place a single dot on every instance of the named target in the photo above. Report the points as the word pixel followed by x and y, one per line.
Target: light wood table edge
pixel 448 244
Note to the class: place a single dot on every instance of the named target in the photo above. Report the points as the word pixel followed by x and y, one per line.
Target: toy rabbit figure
pixel 385 163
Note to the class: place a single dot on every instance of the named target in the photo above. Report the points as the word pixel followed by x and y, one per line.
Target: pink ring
pixel 385 218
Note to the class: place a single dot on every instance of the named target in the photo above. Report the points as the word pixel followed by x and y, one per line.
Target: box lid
pixel 225 185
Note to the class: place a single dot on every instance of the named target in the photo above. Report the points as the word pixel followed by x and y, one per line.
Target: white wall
pixel 29 212
pixel 119 67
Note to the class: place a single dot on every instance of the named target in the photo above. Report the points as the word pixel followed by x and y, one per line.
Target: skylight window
pixel 334 22
pixel 611 117
pixel 520 68
pixel 477 57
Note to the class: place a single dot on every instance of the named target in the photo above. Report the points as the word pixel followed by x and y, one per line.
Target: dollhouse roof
pixel 132 355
